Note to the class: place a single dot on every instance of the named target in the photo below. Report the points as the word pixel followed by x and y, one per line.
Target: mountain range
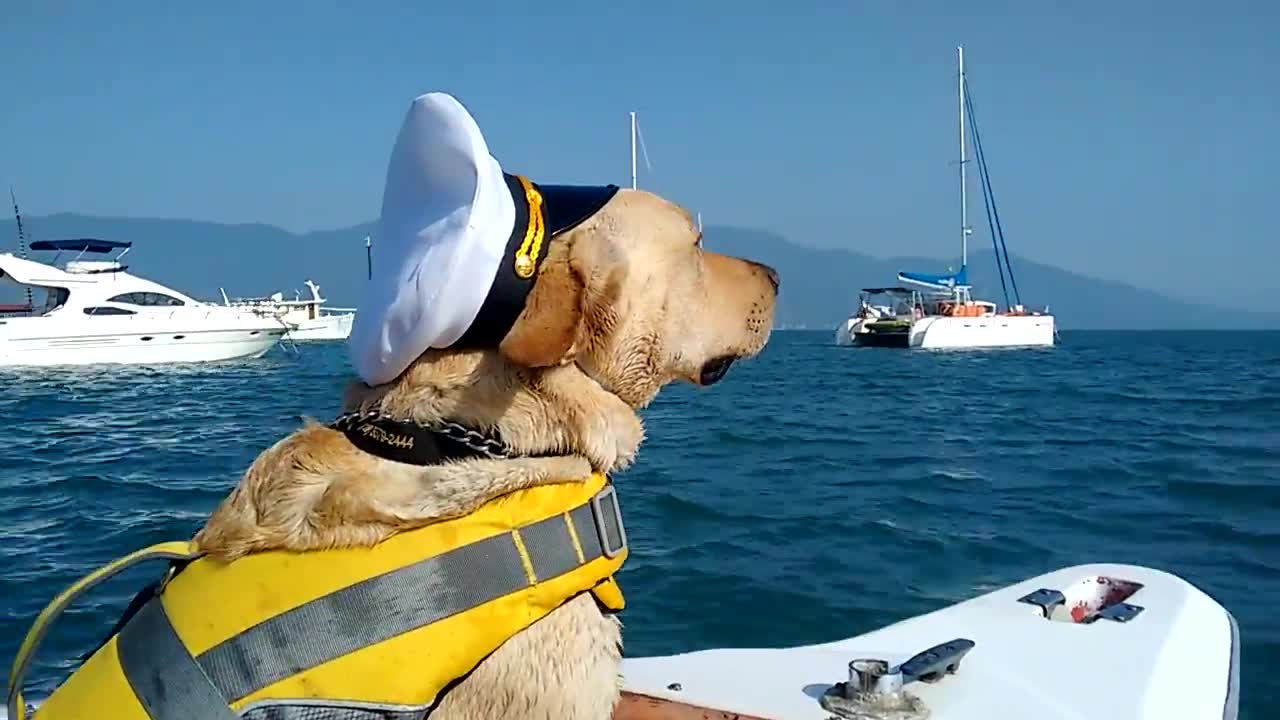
pixel 819 287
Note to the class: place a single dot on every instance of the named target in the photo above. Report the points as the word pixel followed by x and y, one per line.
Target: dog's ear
pixel 545 331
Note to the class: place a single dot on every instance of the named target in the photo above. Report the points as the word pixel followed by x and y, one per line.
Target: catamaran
pixel 932 310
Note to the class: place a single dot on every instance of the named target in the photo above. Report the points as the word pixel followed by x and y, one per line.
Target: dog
pixel 627 302
pixel 448 545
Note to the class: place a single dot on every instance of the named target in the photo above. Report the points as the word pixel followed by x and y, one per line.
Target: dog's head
pixel 632 297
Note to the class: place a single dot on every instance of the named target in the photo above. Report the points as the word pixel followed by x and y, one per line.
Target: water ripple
pixel 817 493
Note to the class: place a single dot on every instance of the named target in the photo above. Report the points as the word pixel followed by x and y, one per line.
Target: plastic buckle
pixel 599 513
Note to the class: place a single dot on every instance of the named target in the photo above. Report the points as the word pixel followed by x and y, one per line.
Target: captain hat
pixel 458 244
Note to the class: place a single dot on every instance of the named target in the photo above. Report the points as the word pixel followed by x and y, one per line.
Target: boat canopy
pixel 92 245
pixel 935 281
pixel 30 272
pixel 888 291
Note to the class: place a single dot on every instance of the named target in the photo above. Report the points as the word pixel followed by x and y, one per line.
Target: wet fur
pixel 625 304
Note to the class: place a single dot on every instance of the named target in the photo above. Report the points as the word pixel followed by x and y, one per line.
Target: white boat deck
pixel 1178 658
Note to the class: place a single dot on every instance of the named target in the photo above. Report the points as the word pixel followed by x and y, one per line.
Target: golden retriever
pixel 626 302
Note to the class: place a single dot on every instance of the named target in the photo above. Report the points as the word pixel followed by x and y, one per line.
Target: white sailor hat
pixel 458 245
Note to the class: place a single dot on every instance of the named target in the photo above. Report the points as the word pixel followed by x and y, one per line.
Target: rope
pixel 989 193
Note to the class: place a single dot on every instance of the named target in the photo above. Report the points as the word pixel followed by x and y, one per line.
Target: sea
pixel 816 493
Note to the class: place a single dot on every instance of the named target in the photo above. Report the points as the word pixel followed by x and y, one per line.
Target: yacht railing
pixel 191 313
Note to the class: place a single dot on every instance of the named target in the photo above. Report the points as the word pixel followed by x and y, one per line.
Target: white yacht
pixel 307 319
pixel 90 312
pixel 939 311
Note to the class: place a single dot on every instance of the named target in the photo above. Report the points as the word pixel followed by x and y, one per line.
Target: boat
pixel 97 312
pixel 935 311
pixel 1114 641
pixel 1100 640
pixel 307 319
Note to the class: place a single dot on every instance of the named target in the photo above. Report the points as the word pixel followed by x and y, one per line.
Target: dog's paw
pixel 613 439
pixel 628 433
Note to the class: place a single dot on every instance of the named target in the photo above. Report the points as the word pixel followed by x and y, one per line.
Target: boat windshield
pixel 32 299
pixel 54 299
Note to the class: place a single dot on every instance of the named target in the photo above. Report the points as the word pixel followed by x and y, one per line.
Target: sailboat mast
pixel 633 150
pixel 964 199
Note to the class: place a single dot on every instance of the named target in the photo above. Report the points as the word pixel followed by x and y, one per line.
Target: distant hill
pixel 819 287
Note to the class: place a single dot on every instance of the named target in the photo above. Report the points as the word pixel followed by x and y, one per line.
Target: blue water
pixel 817 493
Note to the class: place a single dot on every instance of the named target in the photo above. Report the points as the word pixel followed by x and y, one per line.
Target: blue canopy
pixel 81 244
pixel 937 282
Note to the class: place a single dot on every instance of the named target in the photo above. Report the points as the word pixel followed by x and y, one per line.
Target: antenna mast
pixel 22 236
pixel 368 257
pixel 633 150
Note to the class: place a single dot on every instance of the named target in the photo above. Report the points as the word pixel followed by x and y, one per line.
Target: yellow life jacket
pixel 365 633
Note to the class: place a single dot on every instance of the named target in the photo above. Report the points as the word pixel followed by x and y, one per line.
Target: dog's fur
pixel 625 303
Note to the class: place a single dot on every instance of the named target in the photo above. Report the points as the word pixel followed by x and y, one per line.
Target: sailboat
pixel 931 310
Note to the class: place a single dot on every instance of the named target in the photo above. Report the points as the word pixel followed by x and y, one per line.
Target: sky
pixel 1134 141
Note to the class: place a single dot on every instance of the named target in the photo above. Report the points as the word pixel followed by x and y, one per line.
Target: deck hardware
pixel 876 690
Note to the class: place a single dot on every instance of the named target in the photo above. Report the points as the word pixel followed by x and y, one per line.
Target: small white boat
pixel 307 319
pixel 96 312
pixel 1113 641
pixel 940 310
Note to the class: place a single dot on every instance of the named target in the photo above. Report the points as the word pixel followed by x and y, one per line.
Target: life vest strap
pixel 182 690
pixel 178 550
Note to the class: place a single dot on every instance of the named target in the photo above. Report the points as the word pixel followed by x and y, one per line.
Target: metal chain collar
pixel 487 445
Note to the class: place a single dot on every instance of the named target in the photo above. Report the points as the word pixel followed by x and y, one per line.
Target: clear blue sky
pixel 1125 139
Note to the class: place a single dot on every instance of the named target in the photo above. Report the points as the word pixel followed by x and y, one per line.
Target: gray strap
pixel 27 653
pixel 368 612
pixel 396 602
pixel 161 672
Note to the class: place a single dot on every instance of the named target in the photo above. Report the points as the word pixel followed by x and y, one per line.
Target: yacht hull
pixel 325 327
pixel 150 348
pixel 992 331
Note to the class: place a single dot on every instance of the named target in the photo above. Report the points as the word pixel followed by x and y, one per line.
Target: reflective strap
pixel 149 642
pixel 363 614
pixel 388 605
pixel 26 652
